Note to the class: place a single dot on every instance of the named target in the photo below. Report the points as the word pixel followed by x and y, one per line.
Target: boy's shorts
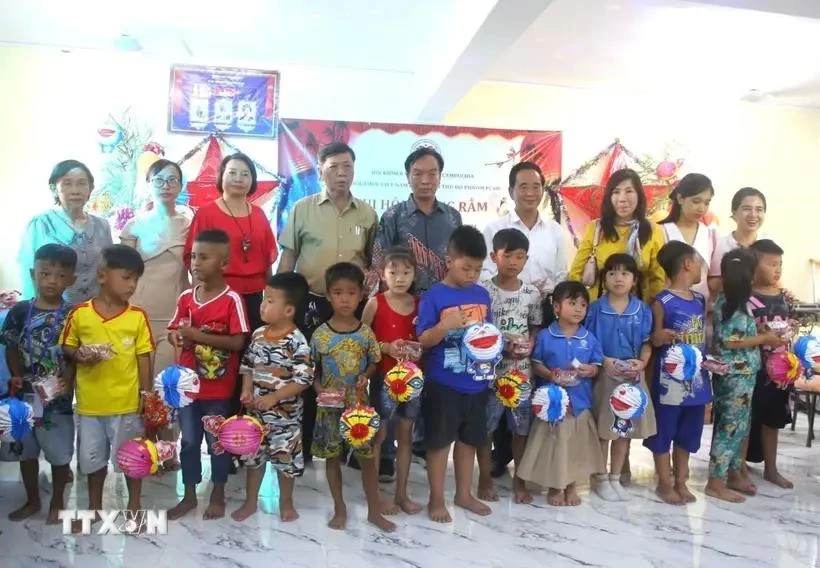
pixel 518 419
pixel 281 446
pixel 327 438
pixel 451 416
pixel 681 425
pixel 99 438
pixel 55 439
pixel 387 407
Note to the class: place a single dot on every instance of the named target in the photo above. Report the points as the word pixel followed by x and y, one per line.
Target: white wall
pixel 775 149
pixel 53 103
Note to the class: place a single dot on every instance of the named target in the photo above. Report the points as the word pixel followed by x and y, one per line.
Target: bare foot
pixel 555 497
pixel 777 479
pixel 287 513
pixel 571 496
pixel 389 507
pixel 719 490
pixel 382 523
pixel 77 526
pixel 409 506
pixel 53 513
pixel 25 511
pixel 243 512
pixel 439 514
pixel 742 485
pixel 182 508
pixel 487 492
pixel 339 519
pixel 215 510
pixel 520 494
pixel 685 495
pixel 668 494
pixel 473 505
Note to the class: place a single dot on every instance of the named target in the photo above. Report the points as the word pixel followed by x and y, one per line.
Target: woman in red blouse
pixel 253 246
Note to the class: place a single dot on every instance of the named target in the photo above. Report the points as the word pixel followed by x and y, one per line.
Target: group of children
pixel 587 349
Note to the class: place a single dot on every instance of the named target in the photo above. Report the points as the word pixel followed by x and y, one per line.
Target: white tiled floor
pixel 777 528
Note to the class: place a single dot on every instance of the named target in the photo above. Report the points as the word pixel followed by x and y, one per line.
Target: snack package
pixel 331 399
pixel 100 351
pixel 47 388
pixel 517 344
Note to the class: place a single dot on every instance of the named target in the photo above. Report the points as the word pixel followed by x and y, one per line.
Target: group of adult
pixel 335 226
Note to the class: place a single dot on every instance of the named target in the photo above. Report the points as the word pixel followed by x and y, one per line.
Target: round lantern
pixel 550 403
pixel 404 381
pixel 359 425
pixel 627 402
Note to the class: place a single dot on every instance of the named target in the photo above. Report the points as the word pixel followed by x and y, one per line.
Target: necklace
pixel 246 239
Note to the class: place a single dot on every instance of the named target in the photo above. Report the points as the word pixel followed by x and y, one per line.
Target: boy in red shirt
pixel 210 326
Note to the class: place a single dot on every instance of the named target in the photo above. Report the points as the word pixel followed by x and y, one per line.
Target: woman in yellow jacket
pixel 623 227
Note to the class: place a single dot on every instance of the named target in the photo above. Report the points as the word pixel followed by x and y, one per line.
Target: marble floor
pixel 778 528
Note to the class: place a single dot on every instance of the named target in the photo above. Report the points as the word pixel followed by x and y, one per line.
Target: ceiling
pixel 693 47
pixel 768 54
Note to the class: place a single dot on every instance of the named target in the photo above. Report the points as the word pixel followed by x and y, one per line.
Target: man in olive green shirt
pixel 323 229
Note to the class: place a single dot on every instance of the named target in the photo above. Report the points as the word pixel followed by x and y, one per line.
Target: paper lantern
pixel 137 459
pixel 140 457
pixel 783 368
pixel 666 170
pixel 404 381
pixel 683 363
pixel 16 420
pixel 807 349
pixel 550 403
pixel 175 384
pixel 512 388
pixel 238 435
pixel 359 425
pixel 483 344
pixel 627 402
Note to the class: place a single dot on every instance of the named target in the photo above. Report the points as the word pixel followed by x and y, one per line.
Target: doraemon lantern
pixel 483 344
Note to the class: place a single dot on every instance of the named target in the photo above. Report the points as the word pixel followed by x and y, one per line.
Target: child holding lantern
pixel 517 312
pixel 392 316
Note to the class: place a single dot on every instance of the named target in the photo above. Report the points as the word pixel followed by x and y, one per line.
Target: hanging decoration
pixel 580 193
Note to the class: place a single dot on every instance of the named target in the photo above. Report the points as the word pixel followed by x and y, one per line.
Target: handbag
pixel 589 277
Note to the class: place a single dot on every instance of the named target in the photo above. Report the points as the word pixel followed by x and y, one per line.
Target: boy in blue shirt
pixel 454 404
pixel 680 406
pixel 30 334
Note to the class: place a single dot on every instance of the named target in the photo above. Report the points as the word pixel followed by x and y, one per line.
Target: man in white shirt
pixel 547 262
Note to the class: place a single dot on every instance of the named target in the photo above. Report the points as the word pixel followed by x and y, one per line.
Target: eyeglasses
pixel 158 181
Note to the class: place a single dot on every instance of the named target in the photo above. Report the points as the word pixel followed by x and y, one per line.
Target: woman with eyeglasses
pixel 159 235
pixel 67 223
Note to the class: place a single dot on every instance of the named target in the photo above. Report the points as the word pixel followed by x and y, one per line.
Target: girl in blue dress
pixel 557 456
pixel 622 323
